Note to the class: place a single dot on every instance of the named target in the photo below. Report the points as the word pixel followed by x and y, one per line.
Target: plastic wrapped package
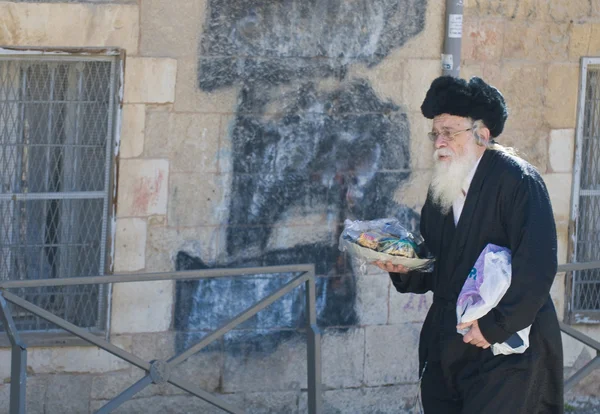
pixel 386 240
pixel 485 286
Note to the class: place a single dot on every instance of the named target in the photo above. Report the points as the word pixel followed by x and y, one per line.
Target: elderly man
pixel 481 193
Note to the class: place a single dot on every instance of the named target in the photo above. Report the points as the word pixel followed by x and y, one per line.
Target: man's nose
pixel 440 142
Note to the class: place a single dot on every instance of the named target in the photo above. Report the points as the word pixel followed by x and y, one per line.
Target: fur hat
pixel 475 99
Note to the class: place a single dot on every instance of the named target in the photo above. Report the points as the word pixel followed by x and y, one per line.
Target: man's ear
pixel 482 135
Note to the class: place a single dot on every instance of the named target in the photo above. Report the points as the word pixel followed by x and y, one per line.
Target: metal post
pixel 18 379
pixel 313 348
pixel 452 38
pixel 18 365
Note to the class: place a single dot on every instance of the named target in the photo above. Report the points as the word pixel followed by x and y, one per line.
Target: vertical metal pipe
pixel 18 367
pixel 313 348
pixel 452 38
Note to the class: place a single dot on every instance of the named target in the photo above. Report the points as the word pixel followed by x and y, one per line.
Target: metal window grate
pixel 586 209
pixel 56 135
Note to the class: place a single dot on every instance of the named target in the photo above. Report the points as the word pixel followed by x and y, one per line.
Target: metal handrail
pixel 588 368
pixel 571 267
pixel 160 371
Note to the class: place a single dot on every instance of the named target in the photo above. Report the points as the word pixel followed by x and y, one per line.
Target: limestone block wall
pixel 249 131
pixel 531 50
pixel 208 85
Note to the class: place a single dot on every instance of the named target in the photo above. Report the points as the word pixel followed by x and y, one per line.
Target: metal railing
pixel 573 333
pixel 160 371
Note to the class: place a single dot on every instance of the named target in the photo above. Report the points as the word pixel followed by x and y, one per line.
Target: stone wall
pixel 250 131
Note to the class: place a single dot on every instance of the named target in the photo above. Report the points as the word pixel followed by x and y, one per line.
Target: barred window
pixel 585 231
pixel 57 127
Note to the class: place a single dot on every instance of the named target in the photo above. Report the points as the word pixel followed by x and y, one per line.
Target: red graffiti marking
pixel 146 193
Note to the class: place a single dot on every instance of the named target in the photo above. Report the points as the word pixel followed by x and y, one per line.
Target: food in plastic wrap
pixel 385 240
pixel 397 247
pixel 369 239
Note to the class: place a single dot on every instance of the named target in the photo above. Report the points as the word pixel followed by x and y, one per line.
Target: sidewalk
pixel 582 405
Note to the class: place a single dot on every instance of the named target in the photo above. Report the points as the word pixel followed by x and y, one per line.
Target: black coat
pixel 508 205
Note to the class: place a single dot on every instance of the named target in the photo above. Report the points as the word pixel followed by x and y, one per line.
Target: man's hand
pixel 474 336
pixel 390 267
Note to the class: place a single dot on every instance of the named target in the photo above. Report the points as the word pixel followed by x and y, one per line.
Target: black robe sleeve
pixel 529 223
pixel 415 281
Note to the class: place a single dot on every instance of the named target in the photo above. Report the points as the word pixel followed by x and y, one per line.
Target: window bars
pixel 56 136
pixel 585 227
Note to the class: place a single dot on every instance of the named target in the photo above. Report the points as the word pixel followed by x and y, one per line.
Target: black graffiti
pixel 276 42
pixel 300 149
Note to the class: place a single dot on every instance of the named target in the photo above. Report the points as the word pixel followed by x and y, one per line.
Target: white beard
pixel 449 175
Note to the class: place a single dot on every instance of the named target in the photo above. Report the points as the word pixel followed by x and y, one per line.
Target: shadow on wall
pixel 300 150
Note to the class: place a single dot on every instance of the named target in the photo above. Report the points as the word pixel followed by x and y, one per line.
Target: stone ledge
pixel 69 25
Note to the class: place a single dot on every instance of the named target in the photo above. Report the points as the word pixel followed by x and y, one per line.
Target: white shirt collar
pixel 469 177
pixel 459 203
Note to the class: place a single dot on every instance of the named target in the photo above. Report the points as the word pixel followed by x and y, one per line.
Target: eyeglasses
pixel 446 136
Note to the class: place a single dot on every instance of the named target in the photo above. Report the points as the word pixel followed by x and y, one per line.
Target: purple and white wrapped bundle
pixel 485 286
